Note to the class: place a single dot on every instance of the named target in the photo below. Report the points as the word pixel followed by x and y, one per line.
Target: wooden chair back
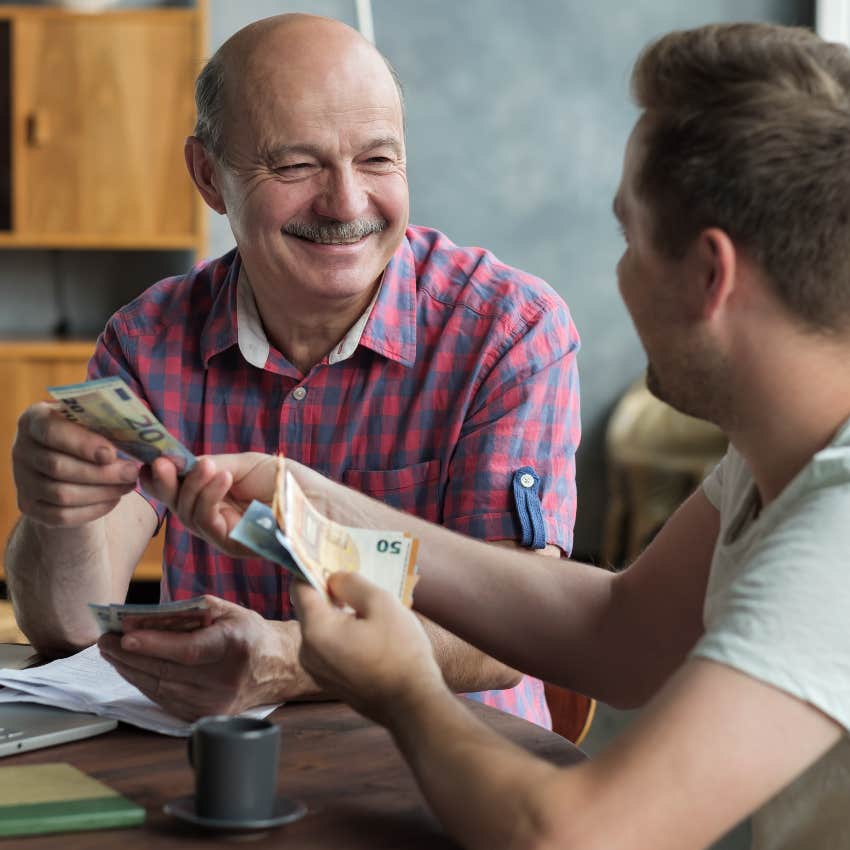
pixel 572 713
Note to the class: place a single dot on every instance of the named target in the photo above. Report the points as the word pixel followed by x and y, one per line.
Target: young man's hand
pixel 376 657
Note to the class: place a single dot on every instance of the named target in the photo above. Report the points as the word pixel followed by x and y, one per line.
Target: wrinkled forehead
pixel 293 91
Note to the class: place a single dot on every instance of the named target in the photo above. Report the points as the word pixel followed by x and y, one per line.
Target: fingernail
pixel 129 473
pixel 103 455
pixel 130 643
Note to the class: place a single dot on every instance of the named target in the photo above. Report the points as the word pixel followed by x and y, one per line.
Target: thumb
pixel 221 607
pixel 160 480
pixel 254 474
pixel 354 590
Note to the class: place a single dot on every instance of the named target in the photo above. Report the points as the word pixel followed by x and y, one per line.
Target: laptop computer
pixel 28 726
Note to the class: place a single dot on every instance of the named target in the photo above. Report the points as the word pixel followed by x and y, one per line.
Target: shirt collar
pixel 348 344
pixel 250 335
pixel 220 328
pixel 387 325
pixel 391 326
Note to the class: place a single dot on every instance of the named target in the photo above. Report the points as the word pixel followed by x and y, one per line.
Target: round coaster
pixel 286 810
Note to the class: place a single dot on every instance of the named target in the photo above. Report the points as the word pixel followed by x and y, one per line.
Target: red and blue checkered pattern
pixel 465 372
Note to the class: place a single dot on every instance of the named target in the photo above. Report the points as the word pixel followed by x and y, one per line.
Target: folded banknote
pixel 295 535
pixel 111 408
pixel 183 615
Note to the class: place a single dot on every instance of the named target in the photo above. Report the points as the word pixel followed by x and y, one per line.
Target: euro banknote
pixel 111 408
pixel 258 531
pixel 183 615
pixel 294 534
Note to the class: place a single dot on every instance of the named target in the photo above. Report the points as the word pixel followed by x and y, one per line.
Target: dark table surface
pixel 358 791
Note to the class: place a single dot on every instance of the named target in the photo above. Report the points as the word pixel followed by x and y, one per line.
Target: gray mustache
pixel 338 231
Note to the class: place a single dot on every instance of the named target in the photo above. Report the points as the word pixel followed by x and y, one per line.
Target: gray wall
pixel 517 118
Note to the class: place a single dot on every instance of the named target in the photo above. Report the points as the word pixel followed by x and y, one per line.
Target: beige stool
pixel 656 457
pixel 9 631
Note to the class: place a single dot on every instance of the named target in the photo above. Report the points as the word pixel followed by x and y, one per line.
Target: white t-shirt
pixel 777 608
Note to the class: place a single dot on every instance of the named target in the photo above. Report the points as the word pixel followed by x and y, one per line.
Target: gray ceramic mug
pixel 236 762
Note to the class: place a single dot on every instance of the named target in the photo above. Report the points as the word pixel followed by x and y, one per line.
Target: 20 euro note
pixel 111 408
pixel 298 537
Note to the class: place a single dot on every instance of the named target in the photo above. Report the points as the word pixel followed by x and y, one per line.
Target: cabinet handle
pixel 38 128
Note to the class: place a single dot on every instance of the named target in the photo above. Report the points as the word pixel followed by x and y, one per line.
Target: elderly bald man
pixel 433 377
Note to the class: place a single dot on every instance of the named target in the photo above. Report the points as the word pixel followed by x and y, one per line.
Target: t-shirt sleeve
pixel 712 485
pixel 112 359
pixel 781 615
pixel 525 414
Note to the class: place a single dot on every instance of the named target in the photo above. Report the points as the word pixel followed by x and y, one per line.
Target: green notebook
pixel 57 797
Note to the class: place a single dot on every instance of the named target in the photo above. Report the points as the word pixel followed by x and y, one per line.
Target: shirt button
pixel 526 480
pixel 298 393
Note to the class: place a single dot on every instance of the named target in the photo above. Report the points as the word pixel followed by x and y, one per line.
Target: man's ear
pixel 716 256
pixel 201 169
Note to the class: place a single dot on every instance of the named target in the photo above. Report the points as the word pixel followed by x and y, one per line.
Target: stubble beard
pixel 698 387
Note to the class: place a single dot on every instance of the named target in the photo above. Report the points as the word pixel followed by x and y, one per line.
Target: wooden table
pixel 358 790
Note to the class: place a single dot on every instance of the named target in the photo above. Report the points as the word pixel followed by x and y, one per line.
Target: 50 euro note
pixel 295 535
pixel 111 408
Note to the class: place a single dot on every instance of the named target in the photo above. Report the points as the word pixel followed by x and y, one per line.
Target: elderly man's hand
pixel 211 499
pixel 376 658
pixel 66 475
pixel 237 662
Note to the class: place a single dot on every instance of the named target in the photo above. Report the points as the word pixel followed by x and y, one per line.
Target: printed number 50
pixel 393 546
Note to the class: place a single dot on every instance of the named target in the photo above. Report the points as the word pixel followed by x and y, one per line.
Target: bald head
pixel 286 58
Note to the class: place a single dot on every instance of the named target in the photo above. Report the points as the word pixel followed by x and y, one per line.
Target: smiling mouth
pixel 329 240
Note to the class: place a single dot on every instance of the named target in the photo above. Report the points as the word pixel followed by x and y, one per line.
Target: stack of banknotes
pixel 290 532
pixel 181 616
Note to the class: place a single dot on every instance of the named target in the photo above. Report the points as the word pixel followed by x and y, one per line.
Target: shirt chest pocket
pixel 415 489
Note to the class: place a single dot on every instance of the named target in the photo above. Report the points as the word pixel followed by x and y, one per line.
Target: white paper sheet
pixel 86 682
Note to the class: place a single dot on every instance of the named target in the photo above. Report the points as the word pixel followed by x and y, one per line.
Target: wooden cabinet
pixel 94 109
pixel 26 369
pixel 97 107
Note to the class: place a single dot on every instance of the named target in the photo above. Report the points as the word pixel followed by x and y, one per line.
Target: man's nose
pixel 343 196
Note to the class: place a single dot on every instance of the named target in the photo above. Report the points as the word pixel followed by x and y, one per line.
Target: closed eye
pixel 379 163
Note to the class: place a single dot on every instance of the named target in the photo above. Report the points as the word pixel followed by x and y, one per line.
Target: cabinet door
pixel 101 106
pixel 26 369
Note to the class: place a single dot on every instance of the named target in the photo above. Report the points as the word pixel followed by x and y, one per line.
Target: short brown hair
pixel 748 130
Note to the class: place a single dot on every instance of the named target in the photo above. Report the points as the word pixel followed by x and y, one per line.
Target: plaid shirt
pixel 462 371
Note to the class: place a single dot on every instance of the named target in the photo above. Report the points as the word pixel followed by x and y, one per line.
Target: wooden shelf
pixel 26 369
pixel 97 242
